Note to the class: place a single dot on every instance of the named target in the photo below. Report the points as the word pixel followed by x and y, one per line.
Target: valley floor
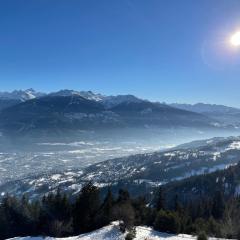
pixel 112 232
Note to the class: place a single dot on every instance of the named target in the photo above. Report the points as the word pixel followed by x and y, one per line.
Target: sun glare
pixel 235 39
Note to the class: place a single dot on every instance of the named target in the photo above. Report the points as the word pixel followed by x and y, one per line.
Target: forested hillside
pixel 59 215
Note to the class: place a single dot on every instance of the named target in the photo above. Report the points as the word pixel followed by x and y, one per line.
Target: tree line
pixel 59 215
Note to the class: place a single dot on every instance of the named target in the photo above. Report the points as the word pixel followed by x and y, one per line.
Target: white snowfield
pixel 112 232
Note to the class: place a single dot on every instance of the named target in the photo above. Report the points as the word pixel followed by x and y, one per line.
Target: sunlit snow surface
pixel 112 232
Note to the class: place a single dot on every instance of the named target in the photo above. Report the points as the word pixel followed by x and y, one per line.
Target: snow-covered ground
pixel 112 232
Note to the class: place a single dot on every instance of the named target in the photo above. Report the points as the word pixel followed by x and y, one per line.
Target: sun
pixel 235 39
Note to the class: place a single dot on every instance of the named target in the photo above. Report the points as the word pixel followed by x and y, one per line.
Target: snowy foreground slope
pixel 112 232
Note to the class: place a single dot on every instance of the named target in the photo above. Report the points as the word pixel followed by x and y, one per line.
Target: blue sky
pixel 165 50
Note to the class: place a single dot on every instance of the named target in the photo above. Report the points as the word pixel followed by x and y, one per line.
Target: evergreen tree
pixel 202 236
pixel 4 224
pixel 160 200
pixel 177 205
pixel 218 205
pixel 105 214
pixel 143 214
pixel 108 205
pixel 86 208
pixel 123 196
pixel 167 222
pixel 123 210
pixel 56 212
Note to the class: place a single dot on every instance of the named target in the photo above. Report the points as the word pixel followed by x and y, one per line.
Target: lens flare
pixel 235 39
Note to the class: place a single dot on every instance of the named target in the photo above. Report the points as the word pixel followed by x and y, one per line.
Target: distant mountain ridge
pixel 206 108
pixel 59 112
pixel 113 100
pixel 70 109
pixel 224 114
pixel 25 110
pixel 107 101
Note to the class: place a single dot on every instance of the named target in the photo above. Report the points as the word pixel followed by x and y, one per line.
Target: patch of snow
pixel 85 94
pixel 216 155
pixel 203 170
pixel 170 154
pixel 112 232
pixel 56 177
pixel 22 95
pixel 234 145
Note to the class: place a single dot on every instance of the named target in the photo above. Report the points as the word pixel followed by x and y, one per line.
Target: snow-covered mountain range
pixel 108 101
pixel 73 110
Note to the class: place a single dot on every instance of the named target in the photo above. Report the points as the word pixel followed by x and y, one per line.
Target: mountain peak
pixel 85 94
pixel 21 95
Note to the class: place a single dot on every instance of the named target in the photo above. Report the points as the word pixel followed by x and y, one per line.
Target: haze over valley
pixel 71 130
